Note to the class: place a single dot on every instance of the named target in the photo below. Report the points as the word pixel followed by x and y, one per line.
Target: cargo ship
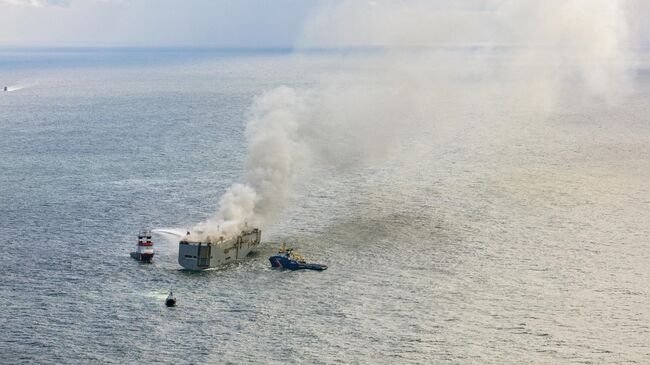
pixel 211 253
pixel 144 249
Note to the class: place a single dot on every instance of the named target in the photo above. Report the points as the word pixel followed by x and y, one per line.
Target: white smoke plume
pixel 436 59
pixel 273 156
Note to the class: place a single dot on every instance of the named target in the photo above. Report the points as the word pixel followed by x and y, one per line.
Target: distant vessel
pixel 5 89
pixel 171 299
pixel 286 258
pixel 201 255
pixel 144 249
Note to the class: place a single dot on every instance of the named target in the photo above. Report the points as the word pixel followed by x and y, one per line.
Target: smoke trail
pixel 438 59
pixel 586 43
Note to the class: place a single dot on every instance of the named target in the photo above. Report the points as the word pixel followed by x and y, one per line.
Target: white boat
pixel 210 253
pixel 144 250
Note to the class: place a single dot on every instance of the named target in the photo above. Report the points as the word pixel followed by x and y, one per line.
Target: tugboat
pixel 144 251
pixel 286 258
pixel 171 299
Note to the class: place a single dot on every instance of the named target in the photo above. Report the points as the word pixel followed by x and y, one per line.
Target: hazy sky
pixel 272 23
pixel 249 23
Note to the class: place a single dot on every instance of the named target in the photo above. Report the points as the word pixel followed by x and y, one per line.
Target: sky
pixel 227 23
pixel 270 23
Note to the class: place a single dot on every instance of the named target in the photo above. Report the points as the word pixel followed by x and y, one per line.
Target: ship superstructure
pixel 210 253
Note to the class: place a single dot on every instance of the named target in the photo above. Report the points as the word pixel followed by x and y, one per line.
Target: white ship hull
pixel 198 255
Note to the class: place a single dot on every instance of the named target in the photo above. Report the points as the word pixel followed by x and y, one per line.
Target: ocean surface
pixel 525 240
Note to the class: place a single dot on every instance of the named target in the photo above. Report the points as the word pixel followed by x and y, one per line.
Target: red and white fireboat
pixel 144 250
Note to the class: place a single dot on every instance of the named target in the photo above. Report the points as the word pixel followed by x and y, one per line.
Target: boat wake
pixel 13 87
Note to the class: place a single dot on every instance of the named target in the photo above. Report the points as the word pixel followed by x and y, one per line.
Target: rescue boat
pixel 144 250
pixel 171 299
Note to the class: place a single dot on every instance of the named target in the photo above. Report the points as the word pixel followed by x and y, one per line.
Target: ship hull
pixel 206 255
pixel 144 257
pixel 283 262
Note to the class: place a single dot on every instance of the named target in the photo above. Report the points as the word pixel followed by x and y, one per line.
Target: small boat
pixel 286 258
pixel 144 250
pixel 171 300
pixel 5 89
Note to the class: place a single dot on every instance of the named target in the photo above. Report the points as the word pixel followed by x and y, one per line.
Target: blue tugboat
pixel 286 258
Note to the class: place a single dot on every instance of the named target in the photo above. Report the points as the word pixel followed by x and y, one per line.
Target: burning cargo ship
pixel 210 253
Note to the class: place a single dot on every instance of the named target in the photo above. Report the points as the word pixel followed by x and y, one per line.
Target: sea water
pixel 510 242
